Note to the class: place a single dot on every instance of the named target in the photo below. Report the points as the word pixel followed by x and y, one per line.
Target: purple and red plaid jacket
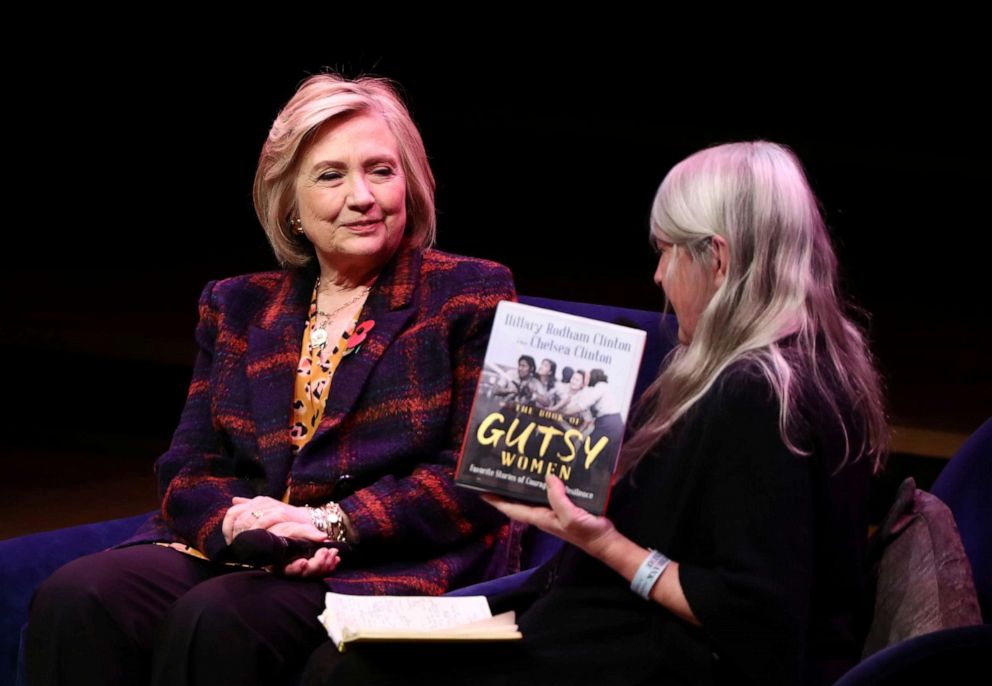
pixel 388 442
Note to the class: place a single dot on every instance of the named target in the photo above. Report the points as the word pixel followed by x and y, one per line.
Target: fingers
pixel 321 564
pixel 261 512
pixel 541 517
pixel 240 516
pixel 295 568
pixel 257 502
pixel 559 500
pixel 244 521
pixel 561 506
pixel 268 519
pixel 297 530
pixel 227 527
pixel 509 509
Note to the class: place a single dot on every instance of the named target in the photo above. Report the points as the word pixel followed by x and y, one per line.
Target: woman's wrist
pixel 604 547
pixel 332 521
pixel 648 573
pixel 350 531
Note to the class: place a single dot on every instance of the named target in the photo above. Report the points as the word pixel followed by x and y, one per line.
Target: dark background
pixel 129 186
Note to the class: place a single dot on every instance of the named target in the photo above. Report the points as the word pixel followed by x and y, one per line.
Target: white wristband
pixel 647 574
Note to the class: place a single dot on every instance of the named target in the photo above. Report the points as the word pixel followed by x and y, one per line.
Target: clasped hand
pixel 282 519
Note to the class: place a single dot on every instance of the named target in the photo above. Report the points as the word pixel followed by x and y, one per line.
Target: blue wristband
pixel 647 574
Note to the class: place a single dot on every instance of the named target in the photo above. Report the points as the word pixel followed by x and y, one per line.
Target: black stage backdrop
pixel 129 186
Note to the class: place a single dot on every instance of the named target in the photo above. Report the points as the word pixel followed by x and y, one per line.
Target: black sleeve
pixel 750 588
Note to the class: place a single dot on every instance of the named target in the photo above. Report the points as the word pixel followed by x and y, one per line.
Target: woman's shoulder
pixel 457 284
pixel 749 387
pixel 460 267
pixel 254 289
pixel 743 383
pixel 266 281
pixel 741 400
pixel 821 419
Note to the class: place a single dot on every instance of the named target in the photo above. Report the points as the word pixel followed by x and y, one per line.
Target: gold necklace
pixel 318 338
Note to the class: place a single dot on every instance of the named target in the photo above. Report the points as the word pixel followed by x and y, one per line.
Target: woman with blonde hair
pixel 733 545
pixel 327 407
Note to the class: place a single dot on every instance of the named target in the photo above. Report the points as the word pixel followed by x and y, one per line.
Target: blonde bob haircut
pixel 318 100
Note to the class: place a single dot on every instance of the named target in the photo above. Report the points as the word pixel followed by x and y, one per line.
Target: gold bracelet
pixel 329 519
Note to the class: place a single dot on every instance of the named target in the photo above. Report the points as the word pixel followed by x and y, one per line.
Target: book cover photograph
pixel 553 398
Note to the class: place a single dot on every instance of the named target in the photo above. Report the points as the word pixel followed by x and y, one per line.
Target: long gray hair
pixel 781 281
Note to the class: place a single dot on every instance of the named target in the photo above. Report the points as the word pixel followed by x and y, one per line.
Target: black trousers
pixel 423 664
pixel 149 614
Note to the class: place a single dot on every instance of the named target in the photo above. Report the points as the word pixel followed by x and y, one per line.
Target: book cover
pixel 553 397
pixel 351 618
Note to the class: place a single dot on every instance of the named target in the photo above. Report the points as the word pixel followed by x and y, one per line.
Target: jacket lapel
pixel 390 305
pixel 272 356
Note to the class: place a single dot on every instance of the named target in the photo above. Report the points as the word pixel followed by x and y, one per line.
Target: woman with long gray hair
pixel 733 545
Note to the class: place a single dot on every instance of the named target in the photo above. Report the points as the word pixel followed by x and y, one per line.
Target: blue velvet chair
pixel 965 486
pixel 28 560
pixel 953 656
pixel 956 655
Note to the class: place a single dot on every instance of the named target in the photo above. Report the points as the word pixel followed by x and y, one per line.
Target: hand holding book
pixel 563 518
pixel 529 420
pixel 599 538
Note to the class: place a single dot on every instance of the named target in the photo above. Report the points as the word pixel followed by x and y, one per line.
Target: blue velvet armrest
pixel 950 656
pixel 500 586
pixel 964 486
pixel 26 561
pixel 538 548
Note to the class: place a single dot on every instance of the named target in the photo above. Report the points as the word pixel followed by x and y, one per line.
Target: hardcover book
pixel 552 398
